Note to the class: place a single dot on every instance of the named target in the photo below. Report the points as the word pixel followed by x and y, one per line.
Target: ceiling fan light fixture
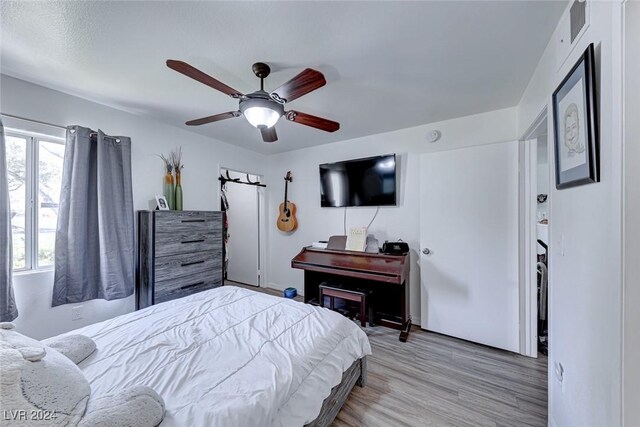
pixel 261 116
pixel 261 112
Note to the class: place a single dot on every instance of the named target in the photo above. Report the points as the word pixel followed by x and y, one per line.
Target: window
pixel 35 177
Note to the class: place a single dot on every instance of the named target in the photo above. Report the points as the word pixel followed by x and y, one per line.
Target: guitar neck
pixel 286 188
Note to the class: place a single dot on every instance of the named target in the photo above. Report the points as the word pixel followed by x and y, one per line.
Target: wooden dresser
pixel 179 254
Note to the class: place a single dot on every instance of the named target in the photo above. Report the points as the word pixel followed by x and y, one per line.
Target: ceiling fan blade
pixel 313 121
pixel 216 118
pixel 269 134
pixel 305 82
pixel 194 73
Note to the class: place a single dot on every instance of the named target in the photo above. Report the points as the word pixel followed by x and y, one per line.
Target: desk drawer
pixel 172 267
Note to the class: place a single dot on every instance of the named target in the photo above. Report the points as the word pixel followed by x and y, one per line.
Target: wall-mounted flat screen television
pixel 360 182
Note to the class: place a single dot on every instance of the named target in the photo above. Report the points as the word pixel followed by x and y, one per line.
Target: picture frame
pixel 161 203
pixel 576 127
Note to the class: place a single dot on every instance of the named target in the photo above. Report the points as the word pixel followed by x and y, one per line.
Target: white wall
pixel 631 367
pixel 202 158
pixel 585 227
pixel 316 223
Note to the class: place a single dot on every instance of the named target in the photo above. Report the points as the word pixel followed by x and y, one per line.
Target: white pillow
pixel 40 386
pixel 75 347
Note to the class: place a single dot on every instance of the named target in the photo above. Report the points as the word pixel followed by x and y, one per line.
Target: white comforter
pixel 227 357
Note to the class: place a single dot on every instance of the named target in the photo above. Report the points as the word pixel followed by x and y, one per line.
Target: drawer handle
pixel 191 286
pixel 184 264
pixel 193 220
pixel 193 241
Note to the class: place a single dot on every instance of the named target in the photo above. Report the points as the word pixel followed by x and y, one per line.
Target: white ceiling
pixel 388 65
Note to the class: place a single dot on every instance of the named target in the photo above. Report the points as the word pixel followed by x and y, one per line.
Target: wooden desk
pixel 387 276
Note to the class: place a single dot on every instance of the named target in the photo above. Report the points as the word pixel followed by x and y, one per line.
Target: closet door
pixel 243 245
pixel 469 244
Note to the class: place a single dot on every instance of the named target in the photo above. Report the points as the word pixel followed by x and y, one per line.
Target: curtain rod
pixel 46 124
pixel 33 121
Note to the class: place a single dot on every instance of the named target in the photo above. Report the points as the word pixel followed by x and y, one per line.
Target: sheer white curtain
pixel 94 238
pixel 8 309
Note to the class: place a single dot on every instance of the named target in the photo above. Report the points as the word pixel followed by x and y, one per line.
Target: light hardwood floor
pixel 436 380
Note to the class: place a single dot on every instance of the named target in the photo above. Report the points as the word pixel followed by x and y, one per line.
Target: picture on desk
pixel 161 203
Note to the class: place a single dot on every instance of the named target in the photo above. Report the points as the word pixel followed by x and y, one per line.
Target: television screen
pixel 361 182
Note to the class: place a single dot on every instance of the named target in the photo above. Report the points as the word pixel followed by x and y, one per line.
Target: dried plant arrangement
pixel 176 160
pixel 168 162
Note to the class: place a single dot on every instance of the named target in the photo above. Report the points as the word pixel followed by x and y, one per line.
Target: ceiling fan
pixel 263 109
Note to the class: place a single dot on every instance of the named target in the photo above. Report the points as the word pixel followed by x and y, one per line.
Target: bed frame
pixel 356 374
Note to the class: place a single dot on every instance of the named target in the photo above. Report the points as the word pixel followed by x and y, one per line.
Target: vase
pixel 178 198
pixel 169 191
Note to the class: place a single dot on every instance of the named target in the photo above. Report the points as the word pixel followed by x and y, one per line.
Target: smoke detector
pixel 433 136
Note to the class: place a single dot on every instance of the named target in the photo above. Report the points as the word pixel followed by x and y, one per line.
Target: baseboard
pixel 415 320
pixel 275 286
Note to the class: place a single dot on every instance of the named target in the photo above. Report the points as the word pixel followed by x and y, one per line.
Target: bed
pixel 232 357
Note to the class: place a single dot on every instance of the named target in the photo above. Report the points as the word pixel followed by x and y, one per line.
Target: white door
pixel 243 245
pixel 469 226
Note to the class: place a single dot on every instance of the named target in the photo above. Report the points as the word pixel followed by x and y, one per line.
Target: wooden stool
pixel 349 295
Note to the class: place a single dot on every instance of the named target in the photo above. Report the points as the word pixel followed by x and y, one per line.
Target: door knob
pixel 426 251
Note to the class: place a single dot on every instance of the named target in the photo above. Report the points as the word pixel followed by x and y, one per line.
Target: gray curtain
pixel 94 239
pixel 8 309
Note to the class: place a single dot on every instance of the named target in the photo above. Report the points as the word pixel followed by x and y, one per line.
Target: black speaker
pixel 395 248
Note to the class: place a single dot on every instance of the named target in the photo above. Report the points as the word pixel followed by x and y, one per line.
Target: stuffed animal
pixel 40 385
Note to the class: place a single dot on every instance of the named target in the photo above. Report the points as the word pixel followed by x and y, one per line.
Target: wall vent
pixel 573 24
pixel 578 18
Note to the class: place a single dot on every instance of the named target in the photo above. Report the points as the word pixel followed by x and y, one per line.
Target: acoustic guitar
pixel 287 221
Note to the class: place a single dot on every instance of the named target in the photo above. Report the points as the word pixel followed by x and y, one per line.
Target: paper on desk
pixel 357 239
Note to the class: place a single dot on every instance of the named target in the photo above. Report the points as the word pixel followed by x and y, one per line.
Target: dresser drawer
pixel 186 222
pixel 185 243
pixel 176 266
pixel 177 288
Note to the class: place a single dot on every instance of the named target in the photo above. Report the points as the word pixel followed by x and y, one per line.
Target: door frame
pixel 527 154
pixel 262 221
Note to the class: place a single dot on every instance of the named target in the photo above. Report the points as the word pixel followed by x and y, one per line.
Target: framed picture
pixel 575 119
pixel 161 203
